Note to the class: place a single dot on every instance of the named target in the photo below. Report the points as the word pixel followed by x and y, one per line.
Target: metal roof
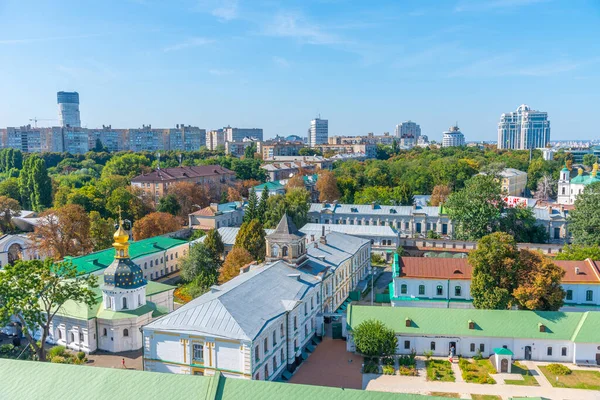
pixel 241 307
pixel 368 209
pixel 228 235
pixel 354 230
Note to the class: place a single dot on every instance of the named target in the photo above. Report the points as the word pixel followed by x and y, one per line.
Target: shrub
pixel 388 370
pixel 407 360
pixel 478 356
pixel 408 371
pixel 388 361
pixel 370 368
pixel 558 369
pixel 6 348
pixel 428 354
pixel 80 355
pixel 58 360
pixel 56 351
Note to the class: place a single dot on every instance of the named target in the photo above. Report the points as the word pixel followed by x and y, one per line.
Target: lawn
pixel 528 379
pixel 439 370
pixel 485 397
pixel 445 394
pixel 477 371
pixel 577 379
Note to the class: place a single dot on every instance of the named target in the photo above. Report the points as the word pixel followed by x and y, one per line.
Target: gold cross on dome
pixel 120 219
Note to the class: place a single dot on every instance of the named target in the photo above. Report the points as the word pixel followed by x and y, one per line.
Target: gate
pixel 336 330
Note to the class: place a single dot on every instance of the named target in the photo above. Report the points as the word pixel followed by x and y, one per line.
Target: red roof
pixel 177 173
pixel 459 268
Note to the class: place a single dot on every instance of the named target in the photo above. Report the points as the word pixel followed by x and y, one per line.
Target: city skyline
pixel 259 65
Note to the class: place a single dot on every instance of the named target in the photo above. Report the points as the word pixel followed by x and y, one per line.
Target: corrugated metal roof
pixel 240 308
pixel 228 235
pixel 368 209
pixel 355 230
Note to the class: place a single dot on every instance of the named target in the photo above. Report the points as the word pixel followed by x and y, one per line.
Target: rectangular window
pixel 407 344
pixel 274 363
pixel 589 295
pixel 274 339
pixel 198 352
pixel 432 346
pixel 563 351
pixel 472 349
pixel 421 289
pixel 266 345
pixel 549 351
pixel 569 295
pixel 457 291
pixel 281 330
pixel 282 356
pixel 481 347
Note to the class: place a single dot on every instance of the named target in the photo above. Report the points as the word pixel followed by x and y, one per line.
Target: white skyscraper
pixel 68 109
pixel 523 129
pixel 453 137
pixel 409 133
pixel 319 132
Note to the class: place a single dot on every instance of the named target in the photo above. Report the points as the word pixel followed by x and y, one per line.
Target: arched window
pixel 124 303
pixel 275 251
pixel 403 288
pixel 72 337
pixel 104 332
pixel 140 298
pixel 125 332
pixel 439 290
pixel 284 251
pixel 108 302
pixel 421 289
pixel 122 253
pixel 59 334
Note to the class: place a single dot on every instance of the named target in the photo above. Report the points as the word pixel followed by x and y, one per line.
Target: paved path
pixel 539 376
pixel 387 383
pixel 457 373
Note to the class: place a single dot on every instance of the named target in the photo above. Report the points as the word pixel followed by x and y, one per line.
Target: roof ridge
pixel 594 267
pixel 579 325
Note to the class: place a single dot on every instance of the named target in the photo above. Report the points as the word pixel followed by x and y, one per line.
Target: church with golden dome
pixel 569 188
pixel 125 301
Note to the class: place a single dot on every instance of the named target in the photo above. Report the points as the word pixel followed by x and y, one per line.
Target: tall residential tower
pixel 453 137
pixel 523 129
pixel 318 132
pixel 409 133
pixel 68 109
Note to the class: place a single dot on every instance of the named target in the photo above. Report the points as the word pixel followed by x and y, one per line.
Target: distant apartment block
pixel 318 132
pixel 523 129
pixel 370 138
pixel 238 149
pixel 283 170
pixel 271 148
pixel 365 150
pixel 185 138
pixel 238 134
pixel 68 109
pixel 453 137
pixel 157 182
pixel 215 138
pixel 25 138
pixel 408 132
pixel 111 139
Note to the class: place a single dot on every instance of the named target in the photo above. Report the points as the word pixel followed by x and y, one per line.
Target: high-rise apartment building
pixel 186 138
pixel 146 139
pixel 318 132
pixel 523 129
pixel 238 134
pixel 215 139
pixel 453 137
pixel 409 133
pixel 25 138
pixel 68 109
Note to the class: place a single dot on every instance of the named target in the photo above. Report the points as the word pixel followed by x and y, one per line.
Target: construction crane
pixel 36 119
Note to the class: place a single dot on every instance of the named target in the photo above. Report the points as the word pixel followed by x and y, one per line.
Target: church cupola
pixel 124 286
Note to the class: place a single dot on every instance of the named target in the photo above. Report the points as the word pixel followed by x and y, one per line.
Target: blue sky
pixel 364 65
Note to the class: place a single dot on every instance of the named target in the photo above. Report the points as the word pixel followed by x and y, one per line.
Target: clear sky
pixel 364 65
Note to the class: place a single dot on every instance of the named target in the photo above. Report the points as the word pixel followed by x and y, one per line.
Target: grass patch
pixel 577 379
pixel 445 394
pixel 439 370
pixel 528 379
pixel 485 397
pixel 477 371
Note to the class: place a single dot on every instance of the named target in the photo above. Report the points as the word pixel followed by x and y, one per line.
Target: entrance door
pixel 598 358
pixel 418 227
pixel 336 330
pixel 528 352
pixel 452 348
pixel 504 365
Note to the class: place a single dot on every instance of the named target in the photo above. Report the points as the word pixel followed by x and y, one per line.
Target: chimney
pixel 316 245
pixel 408 322
pixel 576 270
pixel 471 324
pixel 542 327
pixel 312 238
pixel 372 205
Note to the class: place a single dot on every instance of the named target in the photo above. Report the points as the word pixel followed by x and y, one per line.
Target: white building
pixel 238 134
pixel 16 247
pixel 528 335
pixel 260 324
pixel 318 132
pixel 453 137
pixel 523 129
pixel 408 132
pixel 124 302
pixel 215 139
pixel 569 189
pixel 446 283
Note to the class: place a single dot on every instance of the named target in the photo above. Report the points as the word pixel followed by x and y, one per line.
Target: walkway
pixel 330 365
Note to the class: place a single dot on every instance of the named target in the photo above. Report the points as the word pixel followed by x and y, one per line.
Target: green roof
pixel 101 259
pixel 27 377
pixel 491 323
pixel 275 185
pixel 588 328
pixel 503 352
pixel 76 310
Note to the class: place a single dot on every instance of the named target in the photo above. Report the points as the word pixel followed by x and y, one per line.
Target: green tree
pixel 234 261
pixel 9 208
pixel 584 220
pixel 199 268
pixel 250 150
pixel 276 207
pixel 307 151
pixel 251 211
pixel 496 271
pixel 168 204
pixel 262 208
pixel 402 195
pixel 373 339
pixel 99 147
pixel 574 252
pixel 297 204
pixel 251 237
pixel 10 188
pixel 35 186
pixel 128 165
pixel 33 292
pixel 101 231
pixel 522 225
pixel 214 243
pixel 589 160
pixel 131 205
pixel 476 209
pixel 10 158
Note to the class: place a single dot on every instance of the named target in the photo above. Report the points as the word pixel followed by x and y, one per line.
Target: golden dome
pixel 580 171
pixel 595 167
pixel 121 235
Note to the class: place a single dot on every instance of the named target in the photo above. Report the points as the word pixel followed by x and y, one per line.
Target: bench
pixel 586 363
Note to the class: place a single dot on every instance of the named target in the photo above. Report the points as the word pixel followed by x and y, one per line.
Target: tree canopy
pixel 235 260
pixel 199 269
pixel 155 224
pixel 373 339
pixel 214 244
pixel 585 218
pixel 251 237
